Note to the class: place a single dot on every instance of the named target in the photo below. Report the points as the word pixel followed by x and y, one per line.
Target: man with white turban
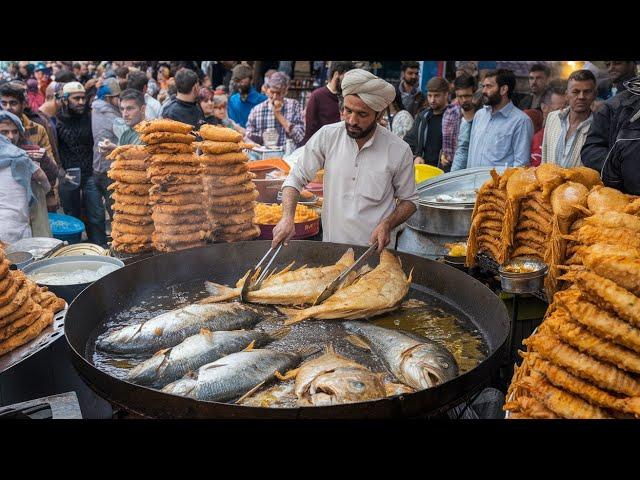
pixel 369 182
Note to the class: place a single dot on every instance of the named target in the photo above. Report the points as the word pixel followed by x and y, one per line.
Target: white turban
pixel 373 91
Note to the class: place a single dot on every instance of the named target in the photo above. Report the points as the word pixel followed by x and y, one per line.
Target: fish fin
pixel 158 332
pixel 410 276
pixel 280 333
pixel 309 350
pixel 219 293
pixel 348 258
pixel 250 392
pixel 285 269
pixel 250 347
pixel 287 310
pixel 357 341
pixel 295 318
pixel 161 352
pixel 287 376
pixel 207 367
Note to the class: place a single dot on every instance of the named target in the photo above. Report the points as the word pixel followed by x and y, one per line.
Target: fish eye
pixel 356 385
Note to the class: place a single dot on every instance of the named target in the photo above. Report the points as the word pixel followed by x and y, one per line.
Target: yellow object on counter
pixel 270 214
pixel 425 172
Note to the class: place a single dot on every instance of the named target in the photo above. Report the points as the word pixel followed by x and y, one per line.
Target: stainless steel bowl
pixel 20 259
pixel 530 281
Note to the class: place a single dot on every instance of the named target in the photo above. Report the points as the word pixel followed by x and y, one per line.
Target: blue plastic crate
pixel 66 227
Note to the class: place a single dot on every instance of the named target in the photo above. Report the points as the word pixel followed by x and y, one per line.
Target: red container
pixel 303 230
pixel 316 188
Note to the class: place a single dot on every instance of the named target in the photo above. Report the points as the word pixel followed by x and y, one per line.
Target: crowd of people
pixel 60 120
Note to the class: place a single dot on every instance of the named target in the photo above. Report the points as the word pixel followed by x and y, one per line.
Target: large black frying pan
pixel 224 263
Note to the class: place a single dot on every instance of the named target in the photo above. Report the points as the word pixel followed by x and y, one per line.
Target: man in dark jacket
pixel 184 107
pixel 75 142
pixel 613 143
pixel 619 72
pixel 408 91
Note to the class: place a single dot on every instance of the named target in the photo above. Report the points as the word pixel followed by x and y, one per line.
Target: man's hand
pixel 35 155
pixel 444 161
pixel 277 106
pixel 382 235
pixel 418 161
pixel 106 146
pixel 283 231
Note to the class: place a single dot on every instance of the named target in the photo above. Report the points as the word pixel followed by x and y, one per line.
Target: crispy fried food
pixel 122 227
pixel 231 208
pixel 606 249
pixel 180 229
pixel 230 219
pixel 193 208
pixel 541 220
pixel 633 207
pixel 23 310
pixel 607 294
pixel 130 199
pixel 532 235
pixel 213 181
pixel 549 177
pixel 28 334
pixel 487 212
pixel 130 248
pixel 490 249
pixel 177 199
pixel 237 199
pixel 132 189
pixel 485 239
pixel 584 175
pixel 173 238
pixel 20 298
pixel 166 247
pixel 525 224
pixel 225 170
pixel 136 165
pixel 605 199
pixel 522 183
pixel 564 201
pixel 525 250
pixel 491 232
pixel 140 210
pixel 128 152
pixel 4 268
pixel 602 374
pixel 233 229
pixel 176 189
pixel 219 134
pixel 128 176
pixel 175 158
pixel 166 137
pixel 217 148
pixel 162 169
pixel 560 402
pixel 570 332
pixel 529 407
pixel 8 295
pixel 163 148
pixel 121 237
pixel 621 269
pixel 588 235
pixel 176 179
pixel 162 125
pixel 230 190
pixel 52 302
pixel 614 220
pixel 6 283
pixel 163 219
pixel 20 323
pixel 224 159
pixel 250 234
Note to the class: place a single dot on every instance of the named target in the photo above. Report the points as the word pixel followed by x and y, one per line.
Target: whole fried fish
pixel 172 364
pixel 234 375
pixel 419 363
pixel 332 379
pixel 288 287
pixel 173 327
pixel 374 293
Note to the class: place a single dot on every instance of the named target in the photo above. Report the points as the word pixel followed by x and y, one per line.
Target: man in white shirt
pixel 369 180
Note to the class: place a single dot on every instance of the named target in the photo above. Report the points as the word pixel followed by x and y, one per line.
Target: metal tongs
pixel 247 283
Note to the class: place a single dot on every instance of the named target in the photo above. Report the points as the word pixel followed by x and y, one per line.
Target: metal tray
pixel 47 337
pixel 36 246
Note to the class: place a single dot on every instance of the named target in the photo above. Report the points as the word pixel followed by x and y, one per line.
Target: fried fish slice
pixel 20 298
pixel 138 165
pixel 23 310
pixel 193 208
pixel 231 208
pixel 560 323
pixel 176 179
pixel 130 248
pixel 4 268
pixel 487 212
pixel 560 402
pixel 176 199
pixel 20 323
pixel 217 148
pixel 123 227
pixel 231 219
pixel 605 199
pixel 601 374
pixel 532 235
pixel 238 199
pixel 162 125
pixel 232 229
pixel 227 180
pixel 130 199
pixel 174 247
pixel 175 158
pixel 620 269
pixel 225 170
pixel 597 320
pixel 176 238
pixel 166 137
pixel 131 237
pixel 128 176
pixel 162 169
pixel 160 218
pixel 250 234
pixel 140 210
pixel 128 152
pixel 132 189
pixel 163 148
pixel 607 294
pixel 215 133
pixel 529 407
pixel 176 189
pixel 28 334
pixel 180 229
pixel 223 159
pixel 230 190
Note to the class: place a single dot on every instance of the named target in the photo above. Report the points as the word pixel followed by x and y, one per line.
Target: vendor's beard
pixel 244 90
pixel 362 133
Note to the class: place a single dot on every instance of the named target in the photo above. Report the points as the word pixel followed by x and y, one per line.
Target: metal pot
pixel 445 219
pixel 69 264
pixel 523 282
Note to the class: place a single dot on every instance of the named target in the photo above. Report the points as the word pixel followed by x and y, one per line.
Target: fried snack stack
pixel 176 185
pixel 132 225
pixel 584 360
pixel 25 309
pixel 229 192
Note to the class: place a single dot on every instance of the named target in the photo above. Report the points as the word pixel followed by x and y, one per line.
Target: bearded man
pixel 241 103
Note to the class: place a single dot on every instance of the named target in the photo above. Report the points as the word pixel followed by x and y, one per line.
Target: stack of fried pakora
pixel 584 360
pixel 176 192
pixel 132 225
pixel 229 191
pixel 25 309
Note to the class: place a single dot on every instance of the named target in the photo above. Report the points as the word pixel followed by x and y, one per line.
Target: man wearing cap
pixel 75 144
pixel 247 97
pixel 104 111
pixel 369 181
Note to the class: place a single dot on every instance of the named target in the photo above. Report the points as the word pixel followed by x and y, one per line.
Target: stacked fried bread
pixel 175 193
pixel 25 309
pixel 229 191
pixel 132 225
pixel 584 360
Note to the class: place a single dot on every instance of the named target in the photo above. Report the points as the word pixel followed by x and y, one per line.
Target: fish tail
pixel 410 276
pixel 219 293
pixel 298 316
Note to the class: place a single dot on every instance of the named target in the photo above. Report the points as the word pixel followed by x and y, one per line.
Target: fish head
pixel 425 366
pixel 346 385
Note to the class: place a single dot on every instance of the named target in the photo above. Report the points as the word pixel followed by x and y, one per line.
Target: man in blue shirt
pixel 501 133
pixel 241 103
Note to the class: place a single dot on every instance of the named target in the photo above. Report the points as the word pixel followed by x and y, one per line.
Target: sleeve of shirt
pixel 50 168
pixel 251 132
pixel 462 148
pixel 297 131
pixel 312 160
pixel 311 117
pixel 545 143
pixel 412 136
pixel 404 180
pixel 522 136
